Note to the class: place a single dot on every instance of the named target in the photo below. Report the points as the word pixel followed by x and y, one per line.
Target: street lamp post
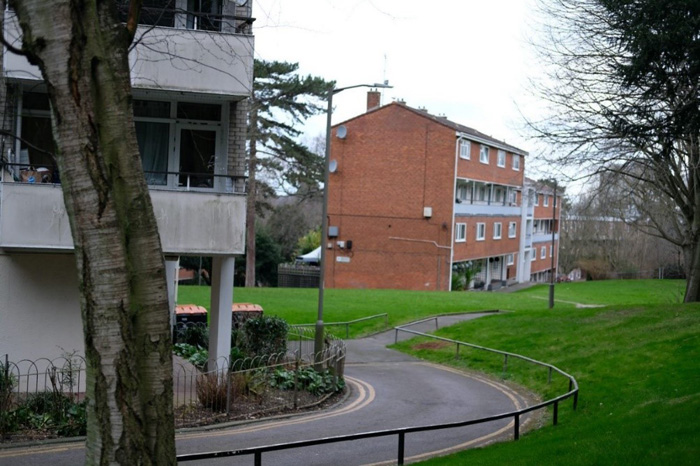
pixel 318 343
pixel 553 273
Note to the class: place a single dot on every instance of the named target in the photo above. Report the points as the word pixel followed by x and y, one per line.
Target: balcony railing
pixel 484 208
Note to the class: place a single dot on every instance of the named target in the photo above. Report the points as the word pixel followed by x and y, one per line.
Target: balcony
pixel 33 217
pixel 483 208
pixel 543 237
pixel 168 59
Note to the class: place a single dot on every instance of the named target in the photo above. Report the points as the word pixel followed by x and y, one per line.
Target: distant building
pixel 414 196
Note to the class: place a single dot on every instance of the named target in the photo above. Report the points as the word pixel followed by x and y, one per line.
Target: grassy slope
pixel 638 367
pixel 637 361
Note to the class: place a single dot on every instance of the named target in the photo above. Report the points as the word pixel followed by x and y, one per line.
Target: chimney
pixel 374 99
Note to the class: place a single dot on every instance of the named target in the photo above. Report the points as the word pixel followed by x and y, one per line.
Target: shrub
pixel 316 383
pixel 212 391
pixel 7 384
pixel 196 355
pixel 52 412
pixel 264 336
pixel 196 334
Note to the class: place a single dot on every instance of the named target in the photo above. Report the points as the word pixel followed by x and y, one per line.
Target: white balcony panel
pixel 198 223
pixel 484 209
pixel 544 237
pixel 193 61
pixel 33 217
pixel 168 59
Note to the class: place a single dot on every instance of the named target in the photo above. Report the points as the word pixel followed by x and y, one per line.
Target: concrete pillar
pixel 172 263
pixel 220 318
pixel 488 273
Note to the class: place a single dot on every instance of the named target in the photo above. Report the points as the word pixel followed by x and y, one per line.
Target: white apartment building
pixel 192 73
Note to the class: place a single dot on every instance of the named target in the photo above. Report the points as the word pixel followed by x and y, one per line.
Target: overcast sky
pixel 467 60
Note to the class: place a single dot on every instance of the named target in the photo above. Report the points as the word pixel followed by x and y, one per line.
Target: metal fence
pixel 242 388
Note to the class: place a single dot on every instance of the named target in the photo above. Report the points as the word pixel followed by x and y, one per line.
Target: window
pixel 516 162
pixel 543 252
pixel 533 253
pixel 545 198
pixel 484 154
pixel 512 229
pixel 153 12
pixel 510 259
pixel 513 197
pixel 154 146
pixel 465 149
pixel 204 15
pixel 480 231
pixel 462 192
pixel 36 145
pixel 501 161
pixel 198 111
pixel 537 199
pixel 461 233
pixel 500 197
pixel 550 251
pixel 481 193
pixel 497 230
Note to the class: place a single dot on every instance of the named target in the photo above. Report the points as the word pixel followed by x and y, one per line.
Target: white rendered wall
pixel 39 306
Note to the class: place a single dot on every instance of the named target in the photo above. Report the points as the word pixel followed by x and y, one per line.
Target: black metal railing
pixel 400 433
pixel 186 181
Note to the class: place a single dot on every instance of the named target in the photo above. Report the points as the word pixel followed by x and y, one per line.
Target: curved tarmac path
pixel 388 390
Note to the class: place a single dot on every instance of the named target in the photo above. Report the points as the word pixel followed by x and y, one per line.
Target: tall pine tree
pixel 282 100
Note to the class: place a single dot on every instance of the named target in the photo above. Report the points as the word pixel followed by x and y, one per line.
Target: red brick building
pixel 412 194
pixel 541 223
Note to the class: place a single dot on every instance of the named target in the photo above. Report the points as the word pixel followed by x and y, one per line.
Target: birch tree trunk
pixel 81 48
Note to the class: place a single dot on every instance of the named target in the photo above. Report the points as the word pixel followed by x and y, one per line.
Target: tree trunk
pixel 692 261
pixel 250 206
pixel 81 49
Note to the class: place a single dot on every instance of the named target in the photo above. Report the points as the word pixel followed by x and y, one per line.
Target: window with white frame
pixel 510 259
pixel 465 149
pixel 512 226
pixel 516 162
pixel 480 231
pixel 545 200
pixel 513 197
pixel 537 199
pixel 497 230
pixel 550 250
pixel 533 254
pixel 460 232
pixel 543 252
pixel 501 161
pixel 484 154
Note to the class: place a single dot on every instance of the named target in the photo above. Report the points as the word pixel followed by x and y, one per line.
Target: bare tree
pixel 622 89
pixel 81 48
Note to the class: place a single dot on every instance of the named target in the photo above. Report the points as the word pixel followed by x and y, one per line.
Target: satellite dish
pixel 333 166
pixel 341 132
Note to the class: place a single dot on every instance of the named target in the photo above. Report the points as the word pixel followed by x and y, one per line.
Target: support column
pixel 172 263
pixel 488 273
pixel 220 318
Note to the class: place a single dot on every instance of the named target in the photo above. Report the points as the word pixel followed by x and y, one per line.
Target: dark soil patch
pixel 272 403
pixel 430 345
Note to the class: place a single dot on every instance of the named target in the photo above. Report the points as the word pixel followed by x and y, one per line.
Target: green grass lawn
pixel 637 361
